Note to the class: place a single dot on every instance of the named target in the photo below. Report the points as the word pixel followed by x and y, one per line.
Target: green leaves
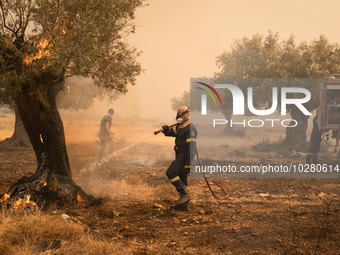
pixel 73 37
pixel 268 57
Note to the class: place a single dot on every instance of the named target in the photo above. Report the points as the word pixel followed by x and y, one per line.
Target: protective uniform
pixel 314 144
pixel 185 149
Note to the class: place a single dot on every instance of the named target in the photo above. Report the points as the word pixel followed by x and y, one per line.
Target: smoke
pixel 79 93
pixel 137 151
pixel 126 173
pixel 82 104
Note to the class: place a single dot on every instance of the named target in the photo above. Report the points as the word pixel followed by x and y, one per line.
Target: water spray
pixel 95 165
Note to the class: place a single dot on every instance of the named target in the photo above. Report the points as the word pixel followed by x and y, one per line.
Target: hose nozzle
pixel 157 131
pixel 161 130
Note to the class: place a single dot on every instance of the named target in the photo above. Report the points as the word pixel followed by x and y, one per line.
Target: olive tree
pixel 269 57
pixel 42 43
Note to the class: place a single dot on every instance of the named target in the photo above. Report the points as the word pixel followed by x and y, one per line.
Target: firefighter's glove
pixel 165 128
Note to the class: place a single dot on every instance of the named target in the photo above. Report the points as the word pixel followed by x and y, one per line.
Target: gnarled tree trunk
pixel 52 181
pixel 230 130
pixel 227 114
pixel 19 137
pixel 296 136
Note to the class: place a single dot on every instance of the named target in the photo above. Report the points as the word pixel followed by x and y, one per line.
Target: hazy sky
pixel 182 38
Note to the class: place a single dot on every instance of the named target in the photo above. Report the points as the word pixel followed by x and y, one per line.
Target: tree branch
pixel 4 20
pixel 28 16
pixel 69 76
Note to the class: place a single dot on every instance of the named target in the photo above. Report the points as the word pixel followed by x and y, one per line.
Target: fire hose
pixel 205 178
pixel 161 130
pixel 207 182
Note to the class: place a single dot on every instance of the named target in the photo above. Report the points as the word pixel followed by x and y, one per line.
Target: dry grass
pixel 133 187
pixel 48 234
pixel 165 192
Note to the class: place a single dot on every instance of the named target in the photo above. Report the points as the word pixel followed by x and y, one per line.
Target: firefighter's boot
pixel 311 158
pixel 314 158
pixel 184 197
pixel 182 207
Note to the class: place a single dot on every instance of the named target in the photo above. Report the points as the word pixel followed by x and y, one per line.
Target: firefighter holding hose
pixel 185 149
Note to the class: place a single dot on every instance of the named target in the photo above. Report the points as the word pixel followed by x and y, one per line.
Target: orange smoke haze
pixel 181 39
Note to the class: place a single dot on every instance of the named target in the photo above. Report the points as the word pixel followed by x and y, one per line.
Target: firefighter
pixel 185 150
pixel 314 144
pixel 105 135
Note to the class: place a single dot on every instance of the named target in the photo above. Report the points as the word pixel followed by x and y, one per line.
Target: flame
pixel 24 203
pixel 67 89
pixel 80 199
pixel 27 59
pixel 62 25
pixel 43 181
pixel 43 44
pixel 41 139
pixel 5 197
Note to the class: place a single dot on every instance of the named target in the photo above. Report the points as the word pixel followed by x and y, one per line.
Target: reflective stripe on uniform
pixel 187 166
pixel 175 129
pixel 191 140
pixel 175 179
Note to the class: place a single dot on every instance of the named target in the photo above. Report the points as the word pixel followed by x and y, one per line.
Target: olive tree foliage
pixel 183 100
pixel 44 42
pixel 269 57
pixel 74 37
pixel 193 100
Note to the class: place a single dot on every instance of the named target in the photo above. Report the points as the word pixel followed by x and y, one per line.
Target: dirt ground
pixel 267 216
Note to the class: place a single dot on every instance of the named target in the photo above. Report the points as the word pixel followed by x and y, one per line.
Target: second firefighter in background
pixel 185 150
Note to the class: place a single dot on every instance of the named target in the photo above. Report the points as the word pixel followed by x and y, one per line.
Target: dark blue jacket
pixel 185 143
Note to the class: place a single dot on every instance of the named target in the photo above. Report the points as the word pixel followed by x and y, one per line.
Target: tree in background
pixel 79 93
pixel 268 57
pixel 42 43
pixel 19 137
pixel 177 102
